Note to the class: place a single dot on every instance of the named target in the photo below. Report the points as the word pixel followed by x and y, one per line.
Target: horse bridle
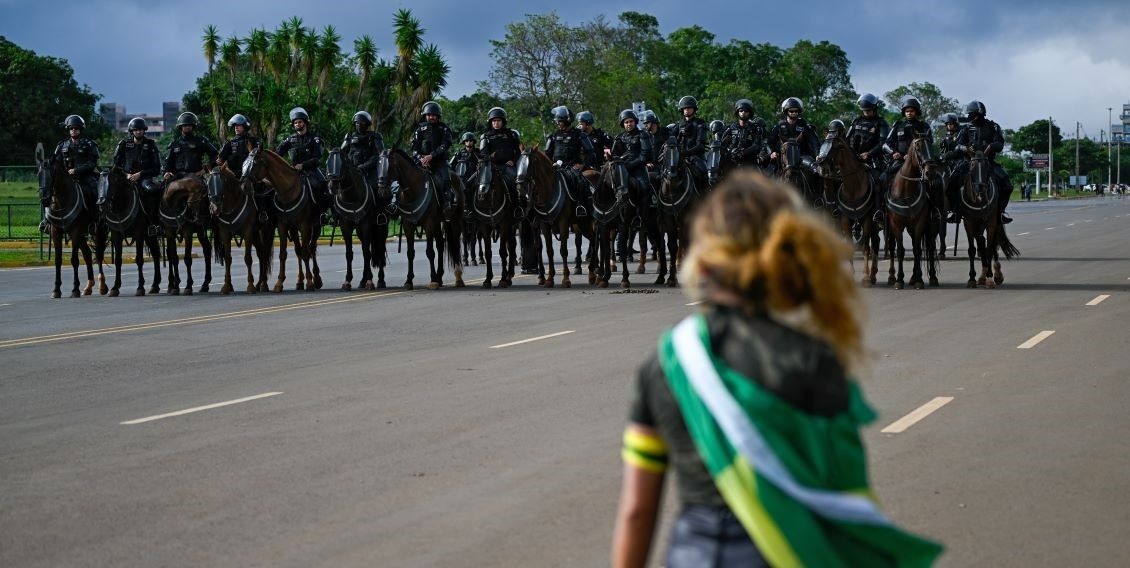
pixel 915 147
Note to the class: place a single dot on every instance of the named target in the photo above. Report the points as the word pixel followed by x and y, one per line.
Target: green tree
pixel 38 93
pixel 934 103
pixel 1034 137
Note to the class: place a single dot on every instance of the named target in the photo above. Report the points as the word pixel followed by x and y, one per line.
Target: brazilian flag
pixel 797 482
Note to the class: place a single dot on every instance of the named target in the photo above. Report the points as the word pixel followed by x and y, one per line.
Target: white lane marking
pixel 1022 234
pixel 1036 339
pixel 1071 224
pixel 1098 299
pixel 1049 228
pixel 2 305
pixel 1088 221
pixel 916 415
pixel 199 408
pixel 700 301
pixel 539 338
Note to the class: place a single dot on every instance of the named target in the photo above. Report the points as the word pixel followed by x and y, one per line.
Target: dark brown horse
pixel 124 214
pixel 184 213
pixel 983 229
pixel 612 216
pixel 69 215
pixel 676 198
pixel 473 242
pixel 493 207
pixel 553 209
pixel 791 170
pixel 296 212
pixel 358 209
pixel 418 206
pixel 910 208
pixel 235 212
pixel 853 187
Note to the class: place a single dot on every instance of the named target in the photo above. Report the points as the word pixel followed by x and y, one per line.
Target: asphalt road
pixel 404 430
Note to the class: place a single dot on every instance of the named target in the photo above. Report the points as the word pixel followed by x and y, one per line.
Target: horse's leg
pixel 991 262
pixel 278 287
pixel 315 232
pixel 411 234
pixel 364 236
pixel 969 236
pixel 624 248
pixel 504 255
pixel 100 243
pixel 74 267
pixel 577 260
pixel 643 238
pixel 88 257
pixel 188 236
pixel 225 236
pixel 916 242
pixel 300 252
pixel 430 249
pixel 932 252
pixel 673 242
pixel 347 234
pixel 893 236
pixel 57 244
pixel 563 244
pixel 489 261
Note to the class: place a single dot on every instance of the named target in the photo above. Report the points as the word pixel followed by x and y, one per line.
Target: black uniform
pixel 363 149
pixel 691 135
pixel 307 149
pixel 501 146
pixel 981 135
pixel 467 162
pixel 81 155
pixel 800 131
pixel 570 147
pixel 745 144
pixel 144 158
pixel 186 156
pixel 236 150
pixel 435 140
pixel 600 141
pixel 898 141
pixel 634 148
pixel 866 135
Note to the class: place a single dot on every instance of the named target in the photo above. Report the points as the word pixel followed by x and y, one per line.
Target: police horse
pixel 69 216
pixel 980 215
pixel 853 186
pixel 911 200
pixel 554 210
pixel 358 208
pixel 124 214
pixel 296 211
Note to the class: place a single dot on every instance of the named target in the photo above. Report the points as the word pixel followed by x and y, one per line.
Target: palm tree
pixel 295 34
pixel 429 78
pixel 409 37
pixel 229 57
pixel 211 39
pixel 329 53
pixel 366 53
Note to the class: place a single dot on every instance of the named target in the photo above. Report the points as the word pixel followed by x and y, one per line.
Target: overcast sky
pixel 1024 59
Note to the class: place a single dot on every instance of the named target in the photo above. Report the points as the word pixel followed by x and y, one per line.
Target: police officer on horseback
pixel 981 135
pixel 897 144
pixel 691 137
pixel 633 148
pixel 466 160
pixel 430 146
pixel 305 150
pixel 571 151
pixel 239 146
pixel 79 156
pixel 658 134
pixel 868 132
pixel 950 157
pixel 793 127
pixel 600 140
pixel 745 138
pixel 363 147
pixel 139 158
pixel 188 151
pixel 502 146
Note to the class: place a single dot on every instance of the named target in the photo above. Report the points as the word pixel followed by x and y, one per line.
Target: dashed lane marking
pixel 1022 234
pixel 695 303
pixel 1098 299
pixel 539 338
pixel 916 415
pixel 199 408
pixel 1049 228
pixel 1071 224
pixel 1036 339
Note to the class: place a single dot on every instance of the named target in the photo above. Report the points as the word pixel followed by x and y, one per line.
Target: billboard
pixel 1037 162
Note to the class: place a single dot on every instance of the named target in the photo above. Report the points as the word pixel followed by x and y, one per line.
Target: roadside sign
pixel 1072 180
pixel 1037 162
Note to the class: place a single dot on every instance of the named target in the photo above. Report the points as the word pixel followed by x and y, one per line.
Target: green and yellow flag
pixel 796 481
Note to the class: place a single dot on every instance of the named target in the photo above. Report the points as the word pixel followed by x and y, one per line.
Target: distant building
pixel 118 118
pixel 1120 133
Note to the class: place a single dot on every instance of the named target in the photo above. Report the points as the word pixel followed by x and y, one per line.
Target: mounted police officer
pixel 982 135
pixel 139 158
pixel 79 156
pixel 467 161
pixel 601 141
pixel 868 132
pixel 502 146
pixel 633 147
pixel 188 151
pixel 950 157
pixel 305 150
pixel 658 135
pixel 793 127
pixel 430 146
pixel 745 138
pixel 571 151
pixel 690 135
pixel 239 146
pixel 897 144
pixel 363 147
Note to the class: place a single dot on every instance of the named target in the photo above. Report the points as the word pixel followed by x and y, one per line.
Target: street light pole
pixel 1051 158
pixel 1108 140
pixel 1077 127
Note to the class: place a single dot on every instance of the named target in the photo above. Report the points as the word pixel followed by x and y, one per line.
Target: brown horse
pixel 853 195
pixel 983 229
pixel 677 197
pixel 184 213
pixel 359 208
pixel 296 212
pixel 69 215
pixel 554 210
pixel 493 207
pixel 612 215
pixel 909 208
pixel 791 170
pixel 123 213
pixel 419 206
pixel 235 212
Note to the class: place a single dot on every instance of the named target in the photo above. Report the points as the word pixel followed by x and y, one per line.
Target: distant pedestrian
pixel 753 405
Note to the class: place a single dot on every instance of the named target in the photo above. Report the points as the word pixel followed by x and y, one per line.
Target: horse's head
pixel 790 155
pixel 251 164
pixel 215 184
pixel 334 171
pixel 672 160
pixel 833 155
pixel 522 176
pixel 385 171
pixel 923 155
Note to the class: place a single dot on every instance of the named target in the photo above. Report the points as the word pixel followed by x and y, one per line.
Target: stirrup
pixel 155 231
pixel 1005 219
pixel 519 213
pixel 637 222
pixel 953 218
pixel 382 219
pixel 44 227
pixel 581 211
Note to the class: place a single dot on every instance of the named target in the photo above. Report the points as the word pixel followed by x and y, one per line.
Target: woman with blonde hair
pixel 752 402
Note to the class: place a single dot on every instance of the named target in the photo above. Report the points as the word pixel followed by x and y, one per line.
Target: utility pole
pixel 1108 141
pixel 1051 158
pixel 1077 127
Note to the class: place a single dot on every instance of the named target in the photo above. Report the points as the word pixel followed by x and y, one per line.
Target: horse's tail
pixel 267 242
pixel 1005 245
pixel 219 249
pixel 453 234
pixel 379 252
